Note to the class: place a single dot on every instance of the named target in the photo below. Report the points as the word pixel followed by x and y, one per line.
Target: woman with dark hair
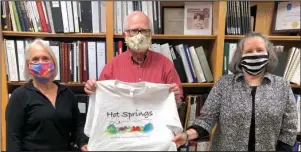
pixel 252 109
pixel 198 21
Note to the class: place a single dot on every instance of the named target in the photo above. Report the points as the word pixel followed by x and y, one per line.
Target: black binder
pixel 57 18
pixel 180 67
pixel 86 14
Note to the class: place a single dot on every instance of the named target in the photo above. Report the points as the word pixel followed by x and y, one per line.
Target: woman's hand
pixel 180 139
pixel 84 148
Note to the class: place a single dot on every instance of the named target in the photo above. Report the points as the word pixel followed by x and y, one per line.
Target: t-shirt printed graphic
pixel 122 129
pixel 132 117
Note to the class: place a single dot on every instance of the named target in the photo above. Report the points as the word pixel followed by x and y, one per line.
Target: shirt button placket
pixel 140 72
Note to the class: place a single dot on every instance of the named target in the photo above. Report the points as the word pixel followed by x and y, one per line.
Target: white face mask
pixel 138 42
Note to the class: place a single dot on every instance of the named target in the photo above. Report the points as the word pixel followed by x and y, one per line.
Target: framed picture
pixel 286 17
pixel 173 20
pixel 198 18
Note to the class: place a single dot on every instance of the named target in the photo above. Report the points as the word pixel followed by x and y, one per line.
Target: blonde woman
pixel 42 115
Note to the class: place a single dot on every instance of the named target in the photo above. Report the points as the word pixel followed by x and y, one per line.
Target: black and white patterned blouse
pixel 229 105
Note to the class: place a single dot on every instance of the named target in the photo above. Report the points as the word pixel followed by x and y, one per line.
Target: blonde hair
pixel 46 46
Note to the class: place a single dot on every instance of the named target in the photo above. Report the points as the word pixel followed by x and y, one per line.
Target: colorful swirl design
pixel 112 129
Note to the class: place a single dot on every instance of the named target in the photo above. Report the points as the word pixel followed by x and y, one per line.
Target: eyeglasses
pixel 145 32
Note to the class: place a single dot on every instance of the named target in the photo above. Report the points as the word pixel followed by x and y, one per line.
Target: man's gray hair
pixel 235 66
pixel 43 44
pixel 125 21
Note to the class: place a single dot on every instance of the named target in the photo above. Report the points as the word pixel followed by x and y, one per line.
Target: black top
pixel 251 146
pixel 34 124
pixel 204 135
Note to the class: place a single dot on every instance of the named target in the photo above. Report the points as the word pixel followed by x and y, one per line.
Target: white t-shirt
pixel 132 117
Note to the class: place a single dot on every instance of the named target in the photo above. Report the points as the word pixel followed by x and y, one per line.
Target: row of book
pixel 238 18
pixel 292 59
pixel 82 60
pixel 288 62
pixel 123 8
pixel 190 62
pixel 193 18
pixel 78 61
pixel 54 16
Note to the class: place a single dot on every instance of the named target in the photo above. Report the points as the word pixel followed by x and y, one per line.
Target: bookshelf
pixel 272 38
pixel 4 95
pixel 53 35
pixel 83 84
pixel 183 84
pixel 174 36
pixel 217 40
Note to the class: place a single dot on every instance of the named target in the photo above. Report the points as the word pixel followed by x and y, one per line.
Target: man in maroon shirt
pixel 139 63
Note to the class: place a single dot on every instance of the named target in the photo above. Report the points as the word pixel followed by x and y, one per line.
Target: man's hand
pixel 90 86
pixel 84 148
pixel 174 88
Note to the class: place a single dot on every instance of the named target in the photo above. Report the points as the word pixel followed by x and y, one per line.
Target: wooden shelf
pixel 272 38
pixel 67 84
pixel 295 86
pixel 233 37
pixel 44 34
pixel 188 85
pixel 83 84
pixel 155 36
pixel 185 85
pixel 285 38
pixel 164 36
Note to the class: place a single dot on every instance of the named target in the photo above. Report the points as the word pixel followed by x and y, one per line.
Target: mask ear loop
pixel 266 66
pixel 239 66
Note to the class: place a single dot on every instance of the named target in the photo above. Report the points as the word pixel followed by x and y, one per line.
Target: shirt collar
pixel 267 76
pixel 29 85
pixel 146 57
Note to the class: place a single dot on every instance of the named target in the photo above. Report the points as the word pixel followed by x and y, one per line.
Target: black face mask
pixel 254 63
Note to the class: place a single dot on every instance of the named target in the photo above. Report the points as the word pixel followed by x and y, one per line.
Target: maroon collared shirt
pixel 156 69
